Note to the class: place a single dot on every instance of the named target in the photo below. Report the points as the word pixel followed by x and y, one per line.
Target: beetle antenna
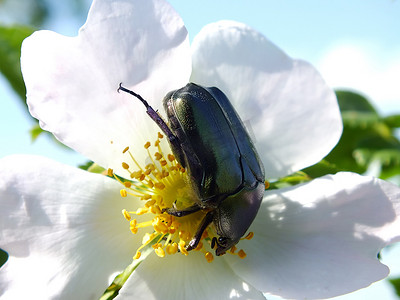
pixel 172 138
pixel 121 88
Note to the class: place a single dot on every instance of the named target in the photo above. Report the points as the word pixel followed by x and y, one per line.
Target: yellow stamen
pixel 172 248
pixel 146 197
pixel 150 203
pixel 127 184
pixel 182 248
pixel 266 183
pixel 147 238
pixel 159 226
pixel 137 255
pixel 163 183
pixel 141 211
pixel 155 209
pixel 159 185
pixel 160 251
pixel 126 214
pixel 144 224
pixel 249 236
pixel 242 254
pixel 209 256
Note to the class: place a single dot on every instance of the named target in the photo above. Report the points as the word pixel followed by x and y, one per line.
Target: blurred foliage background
pixel 369 144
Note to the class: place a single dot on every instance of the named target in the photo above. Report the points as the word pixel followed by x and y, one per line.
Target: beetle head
pixel 234 216
pixel 223 244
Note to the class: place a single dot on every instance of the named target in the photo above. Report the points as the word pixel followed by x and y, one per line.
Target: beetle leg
pixel 197 237
pixel 213 242
pixel 182 212
pixel 173 139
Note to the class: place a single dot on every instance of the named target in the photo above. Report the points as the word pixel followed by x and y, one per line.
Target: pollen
pixel 162 184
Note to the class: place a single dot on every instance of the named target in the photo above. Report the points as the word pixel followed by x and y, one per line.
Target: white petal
pixel 180 278
pixel 62 228
pixel 321 239
pixel 72 82
pixel 293 114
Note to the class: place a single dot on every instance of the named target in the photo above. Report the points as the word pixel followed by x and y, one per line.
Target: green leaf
pixel 35 132
pixel 382 150
pixel 290 180
pixel 322 168
pixel 361 120
pixel 354 102
pixel 392 121
pixel 92 167
pixel 112 291
pixel 396 284
pixel 366 139
pixel 86 165
pixel 95 168
pixel 10 52
pixel 342 156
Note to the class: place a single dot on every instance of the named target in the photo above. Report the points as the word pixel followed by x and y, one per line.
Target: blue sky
pixel 354 44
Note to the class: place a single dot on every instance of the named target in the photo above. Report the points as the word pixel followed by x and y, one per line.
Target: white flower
pixel 63 227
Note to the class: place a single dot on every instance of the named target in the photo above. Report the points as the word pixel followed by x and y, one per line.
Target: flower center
pixel 161 184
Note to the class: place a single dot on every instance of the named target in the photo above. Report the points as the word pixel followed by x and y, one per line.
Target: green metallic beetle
pixel 208 138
